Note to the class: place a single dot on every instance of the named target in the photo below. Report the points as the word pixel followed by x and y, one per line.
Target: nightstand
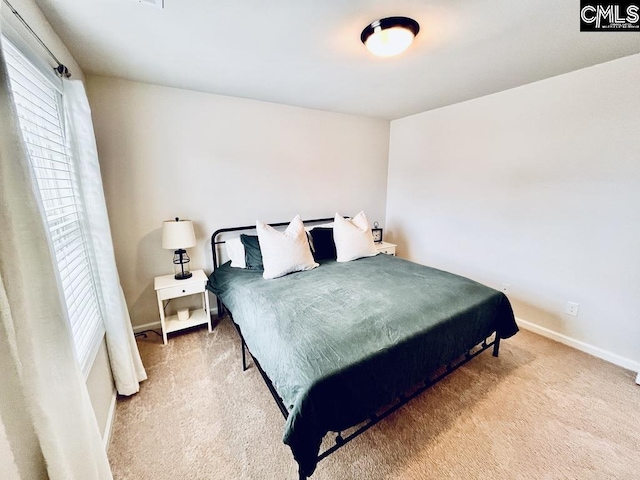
pixel 167 288
pixel 386 248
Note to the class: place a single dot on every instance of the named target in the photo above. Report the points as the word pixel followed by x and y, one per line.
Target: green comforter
pixel 342 340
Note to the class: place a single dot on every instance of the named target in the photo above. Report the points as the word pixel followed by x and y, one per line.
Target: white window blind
pixel 39 107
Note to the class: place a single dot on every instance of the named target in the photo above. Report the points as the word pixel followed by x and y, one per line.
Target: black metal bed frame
pixel 375 417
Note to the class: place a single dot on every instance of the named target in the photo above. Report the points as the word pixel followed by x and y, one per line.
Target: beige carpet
pixel 540 411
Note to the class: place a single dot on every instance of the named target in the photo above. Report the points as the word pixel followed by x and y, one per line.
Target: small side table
pixel 167 288
pixel 387 248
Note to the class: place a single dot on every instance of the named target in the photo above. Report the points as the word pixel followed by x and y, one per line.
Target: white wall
pixel 222 161
pixel 537 187
pixel 102 389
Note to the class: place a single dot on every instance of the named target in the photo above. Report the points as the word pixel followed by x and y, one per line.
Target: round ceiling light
pixel 389 36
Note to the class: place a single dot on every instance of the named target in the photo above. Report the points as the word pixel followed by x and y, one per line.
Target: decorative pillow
pixel 324 248
pixel 235 252
pixel 252 253
pixel 284 252
pixel 353 238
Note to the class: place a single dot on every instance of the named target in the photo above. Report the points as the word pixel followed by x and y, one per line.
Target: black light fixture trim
pixel 390 22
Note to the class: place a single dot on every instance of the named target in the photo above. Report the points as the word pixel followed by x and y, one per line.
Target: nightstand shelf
pixel 167 288
pixel 196 317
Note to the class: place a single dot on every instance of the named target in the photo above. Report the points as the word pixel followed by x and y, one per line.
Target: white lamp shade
pixel 178 234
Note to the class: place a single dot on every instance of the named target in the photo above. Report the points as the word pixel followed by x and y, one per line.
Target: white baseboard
pixel 111 416
pixel 156 325
pixel 583 347
pixel 146 326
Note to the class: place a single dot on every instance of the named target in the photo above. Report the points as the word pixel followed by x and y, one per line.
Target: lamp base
pixel 183 276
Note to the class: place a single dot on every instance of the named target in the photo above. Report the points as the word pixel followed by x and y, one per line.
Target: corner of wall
pixel 111 416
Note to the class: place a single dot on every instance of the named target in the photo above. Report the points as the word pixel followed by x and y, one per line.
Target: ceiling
pixel 308 53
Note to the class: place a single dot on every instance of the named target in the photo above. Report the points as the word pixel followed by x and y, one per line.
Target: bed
pixel 343 344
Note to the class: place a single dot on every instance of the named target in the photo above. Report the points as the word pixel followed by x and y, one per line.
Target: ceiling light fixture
pixel 390 36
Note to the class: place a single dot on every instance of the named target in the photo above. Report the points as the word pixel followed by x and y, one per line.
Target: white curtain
pixel 126 365
pixel 45 412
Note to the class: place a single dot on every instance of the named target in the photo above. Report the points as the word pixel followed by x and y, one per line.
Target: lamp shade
pixel 178 234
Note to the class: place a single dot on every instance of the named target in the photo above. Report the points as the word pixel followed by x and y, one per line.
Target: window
pixel 39 105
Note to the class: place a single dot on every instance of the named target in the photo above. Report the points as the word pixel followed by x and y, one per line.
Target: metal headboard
pixel 215 242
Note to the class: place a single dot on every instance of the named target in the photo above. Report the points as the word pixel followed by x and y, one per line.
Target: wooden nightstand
pixel 387 248
pixel 167 287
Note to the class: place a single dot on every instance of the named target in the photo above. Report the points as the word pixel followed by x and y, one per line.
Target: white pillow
pixel 284 252
pixel 235 252
pixel 323 225
pixel 353 238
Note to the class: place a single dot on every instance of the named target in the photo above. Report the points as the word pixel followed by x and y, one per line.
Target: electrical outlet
pixel 505 288
pixel 571 309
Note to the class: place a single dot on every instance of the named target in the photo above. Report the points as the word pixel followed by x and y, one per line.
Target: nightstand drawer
pixel 180 291
pixel 386 248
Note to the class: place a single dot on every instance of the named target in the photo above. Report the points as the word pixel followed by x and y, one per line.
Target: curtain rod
pixel 60 69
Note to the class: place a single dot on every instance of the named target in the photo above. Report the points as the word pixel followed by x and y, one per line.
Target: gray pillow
pixel 252 253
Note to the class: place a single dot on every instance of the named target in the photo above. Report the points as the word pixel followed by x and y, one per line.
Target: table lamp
pixel 177 235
